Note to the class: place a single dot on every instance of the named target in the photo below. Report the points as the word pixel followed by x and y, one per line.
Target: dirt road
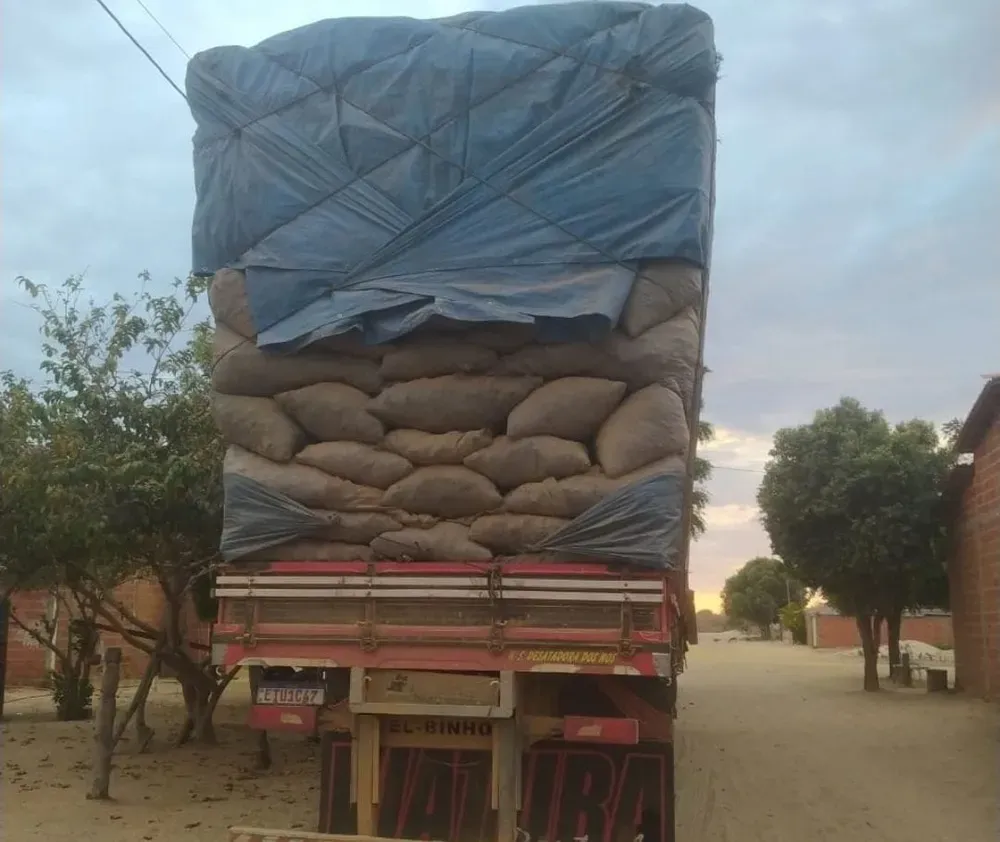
pixel 774 744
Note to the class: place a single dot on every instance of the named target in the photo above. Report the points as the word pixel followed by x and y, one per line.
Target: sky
pixel 857 237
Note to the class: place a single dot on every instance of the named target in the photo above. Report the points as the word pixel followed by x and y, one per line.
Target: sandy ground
pixel 775 743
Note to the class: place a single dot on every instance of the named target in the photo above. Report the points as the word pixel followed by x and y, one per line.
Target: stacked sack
pixel 456 444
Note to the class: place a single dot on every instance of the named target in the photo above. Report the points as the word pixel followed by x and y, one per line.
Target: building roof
pixel 984 413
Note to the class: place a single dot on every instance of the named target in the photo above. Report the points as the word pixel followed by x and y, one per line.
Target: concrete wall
pixel 29 663
pixel 975 575
pixel 831 631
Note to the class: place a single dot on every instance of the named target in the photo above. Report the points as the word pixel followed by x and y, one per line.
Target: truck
pixel 509 696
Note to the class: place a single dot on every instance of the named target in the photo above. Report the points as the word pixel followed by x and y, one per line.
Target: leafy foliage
pixel 702 474
pixel 118 472
pixel 852 506
pixel 793 618
pixel 757 592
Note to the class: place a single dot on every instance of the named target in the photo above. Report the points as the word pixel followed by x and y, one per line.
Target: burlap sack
pixel 668 465
pixel 666 353
pixel 663 289
pixel 257 424
pixel 502 338
pixel 356 527
pixel 444 542
pixel 436 448
pixel 570 408
pixel 240 368
pixel 649 425
pixel 360 463
pixel 350 344
pixel 512 462
pixel 449 491
pixel 563 360
pixel 513 534
pixel 453 402
pixel 312 550
pixel 227 298
pixel 426 360
pixel 333 412
pixel 308 486
pixel 565 498
pixel 412 520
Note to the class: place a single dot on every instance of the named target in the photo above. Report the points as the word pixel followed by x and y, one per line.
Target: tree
pixel 852 505
pixel 757 592
pixel 131 379
pixel 702 474
pixel 793 618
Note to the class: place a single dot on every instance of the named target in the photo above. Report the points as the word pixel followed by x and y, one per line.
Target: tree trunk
pixel 866 629
pixel 765 631
pixel 104 745
pixel 894 623
pixel 200 707
pixel 137 709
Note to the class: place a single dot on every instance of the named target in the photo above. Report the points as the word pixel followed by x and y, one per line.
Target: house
pixel 973 493
pixel 826 628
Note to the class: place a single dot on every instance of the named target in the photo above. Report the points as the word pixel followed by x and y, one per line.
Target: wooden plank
pixel 432 593
pixel 257 834
pixel 441 582
pixel 430 688
pixel 367 759
pixel 506 759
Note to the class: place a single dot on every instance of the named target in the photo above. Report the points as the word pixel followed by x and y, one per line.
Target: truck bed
pixel 515 615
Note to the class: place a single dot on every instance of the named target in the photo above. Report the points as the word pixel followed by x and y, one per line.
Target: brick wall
pixel 28 662
pixel 836 632
pixel 975 575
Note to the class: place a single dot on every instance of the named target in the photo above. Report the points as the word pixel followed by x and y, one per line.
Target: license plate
pixel 290 695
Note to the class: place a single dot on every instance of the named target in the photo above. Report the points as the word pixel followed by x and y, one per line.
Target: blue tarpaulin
pixel 373 174
pixel 370 174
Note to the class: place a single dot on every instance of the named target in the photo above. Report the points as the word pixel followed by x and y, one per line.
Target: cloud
pixel 858 198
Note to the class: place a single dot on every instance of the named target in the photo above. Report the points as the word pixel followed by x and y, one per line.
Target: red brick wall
pixel 27 662
pixel 835 632
pixel 975 575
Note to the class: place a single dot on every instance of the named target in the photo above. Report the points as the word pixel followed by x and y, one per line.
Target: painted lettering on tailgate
pixel 290 695
pixel 583 657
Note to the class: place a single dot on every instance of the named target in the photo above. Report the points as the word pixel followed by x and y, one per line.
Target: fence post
pixel 104 724
pixel 4 618
pixel 906 671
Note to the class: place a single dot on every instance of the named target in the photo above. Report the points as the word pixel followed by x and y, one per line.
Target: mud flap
pixel 607 793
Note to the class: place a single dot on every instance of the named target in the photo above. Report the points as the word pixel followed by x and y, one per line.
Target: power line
pixel 165 31
pixel 141 48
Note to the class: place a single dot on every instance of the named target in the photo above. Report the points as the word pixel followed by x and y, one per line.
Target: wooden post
pixel 937 680
pixel 506 758
pixel 906 671
pixel 4 616
pixel 104 724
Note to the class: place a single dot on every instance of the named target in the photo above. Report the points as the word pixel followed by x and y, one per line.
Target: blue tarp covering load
pixel 371 175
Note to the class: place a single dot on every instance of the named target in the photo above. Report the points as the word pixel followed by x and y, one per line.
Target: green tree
pixel 757 592
pixel 130 378
pixel 852 505
pixel 793 618
pixel 702 474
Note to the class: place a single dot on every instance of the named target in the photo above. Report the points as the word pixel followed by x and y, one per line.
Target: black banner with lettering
pixel 571 791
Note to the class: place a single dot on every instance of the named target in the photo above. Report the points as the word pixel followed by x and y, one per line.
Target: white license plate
pixel 291 695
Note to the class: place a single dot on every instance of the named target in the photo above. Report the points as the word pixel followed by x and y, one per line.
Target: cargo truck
pixel 549 169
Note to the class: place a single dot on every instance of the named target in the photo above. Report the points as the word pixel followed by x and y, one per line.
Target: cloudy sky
pixel 858 230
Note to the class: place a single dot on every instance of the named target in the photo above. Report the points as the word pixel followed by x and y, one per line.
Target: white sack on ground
pixel 239 367
pixel 356 527
pixel 662 290
pixel 308 486
pixel 333 412
pixel 649 425
pixel 444 542
pixel 428 449
pixel 570 408
pixel 416 361
pixel 511 534
pixel 227 298
pixel 509 462
pixel 312 550
pixel 666 353
pixel 449 491
pixel 360 463
pixel 453 402
pixel 257 424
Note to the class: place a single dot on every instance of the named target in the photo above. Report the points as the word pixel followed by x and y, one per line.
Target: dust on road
pixel 774 743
